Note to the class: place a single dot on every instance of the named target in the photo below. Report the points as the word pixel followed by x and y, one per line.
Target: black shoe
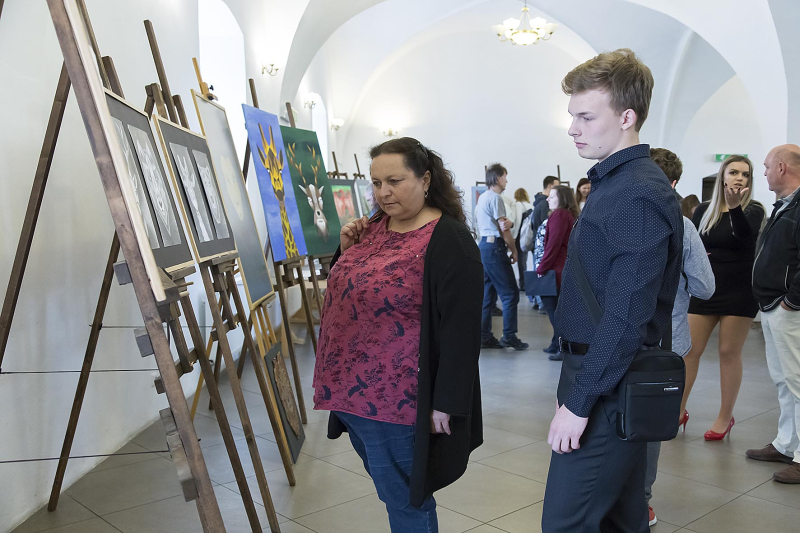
pixel 558 356
pixel 515 343
pixel 553 348
pixel 497 312
pixel 542 312
pixel 491 344
pixel 535 306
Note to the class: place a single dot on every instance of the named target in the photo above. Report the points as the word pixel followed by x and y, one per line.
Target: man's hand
pixel 783 304
pixel 440 422
pixel 566 430
pixel 505 224
pixel 514 256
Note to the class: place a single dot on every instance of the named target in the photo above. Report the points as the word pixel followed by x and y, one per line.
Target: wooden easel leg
pixel 230 366
pixel 315 285
pixel 200 378
pixel 259 367
pixel 83 380
pixel 243 353
pixel 307 307
pixel 219 410
pixel 217 366
pixel 34 205
pixel 301 404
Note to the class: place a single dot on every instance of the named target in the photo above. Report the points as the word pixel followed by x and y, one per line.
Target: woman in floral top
pixel 397 362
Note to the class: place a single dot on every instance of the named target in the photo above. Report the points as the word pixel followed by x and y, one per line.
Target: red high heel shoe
pixel 683 420
pixel 713 435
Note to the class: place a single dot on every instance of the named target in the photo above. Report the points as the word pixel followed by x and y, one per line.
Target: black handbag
pixel 649 394
pixel 544 286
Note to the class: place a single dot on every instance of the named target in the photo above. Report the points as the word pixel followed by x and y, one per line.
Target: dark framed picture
pixel 144 169
pixel 284 396
pixel 195 181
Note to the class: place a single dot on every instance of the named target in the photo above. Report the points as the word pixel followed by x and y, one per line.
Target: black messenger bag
pixel 649 395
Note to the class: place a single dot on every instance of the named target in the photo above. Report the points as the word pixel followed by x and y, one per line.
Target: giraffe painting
pixel 275 184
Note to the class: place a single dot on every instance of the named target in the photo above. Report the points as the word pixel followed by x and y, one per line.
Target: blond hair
pixel 713 214
pixel 521 195
pixel 628 81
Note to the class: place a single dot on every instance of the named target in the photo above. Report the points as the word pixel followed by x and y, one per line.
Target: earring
pixel 426 194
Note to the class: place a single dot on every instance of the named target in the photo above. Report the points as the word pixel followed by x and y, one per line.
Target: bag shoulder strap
pixel 592 305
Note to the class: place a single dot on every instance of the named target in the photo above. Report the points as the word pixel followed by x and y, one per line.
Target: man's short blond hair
pixel 628 81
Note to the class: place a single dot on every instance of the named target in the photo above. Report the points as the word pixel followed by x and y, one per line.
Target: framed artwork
pixel 252 262
pixel 275 184
pixel 284 396
pixel 345 200
pixel 477 190
pixel 145 171
pixel 315 203
pixel 198 193
pixel 367 205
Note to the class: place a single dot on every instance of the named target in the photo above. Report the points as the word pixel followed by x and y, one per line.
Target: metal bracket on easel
pixel 178 454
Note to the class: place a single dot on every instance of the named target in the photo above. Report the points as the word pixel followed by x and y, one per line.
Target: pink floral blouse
pixel 368 353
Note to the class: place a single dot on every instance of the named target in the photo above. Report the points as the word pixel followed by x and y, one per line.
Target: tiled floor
pixel 702 487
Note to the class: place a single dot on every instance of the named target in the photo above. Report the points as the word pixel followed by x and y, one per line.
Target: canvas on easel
pixel 345 199
pixel 287 407
pixel 255 274
pixel 315 205
pixel 275 184
pixel 367 204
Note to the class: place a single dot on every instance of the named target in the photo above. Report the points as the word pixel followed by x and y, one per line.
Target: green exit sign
pixel 722 157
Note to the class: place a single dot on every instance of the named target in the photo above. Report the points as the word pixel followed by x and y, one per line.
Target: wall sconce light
pixel 337 123
pixel 272 70
pixel 311 100
pixel 391 132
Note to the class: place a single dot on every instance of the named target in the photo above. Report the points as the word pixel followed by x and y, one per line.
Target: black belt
pixel 575 348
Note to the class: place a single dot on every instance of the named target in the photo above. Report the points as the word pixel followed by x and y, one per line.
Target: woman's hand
pixel 733 196
pixel 440 422
pixel 351 233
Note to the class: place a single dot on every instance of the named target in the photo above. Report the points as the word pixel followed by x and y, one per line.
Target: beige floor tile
pixel 319 486
pixel 680 501
pixel 127 486
pixel 485 493
pixel 527 520
pixel 663 527
pixel 778 493
pixel 485 528
pixel 219 463
pixel 318 444
pixel 372 518
pixel 714 466
pixel 349 461
pixel 292 527
pixel 498 441
pixel 95 525
pixel 531 461
pixel 122 460
pixel 208 430
pixel 68 512
pixel 531 420
pixel 749 515
pixel 175 515
pixel 766 422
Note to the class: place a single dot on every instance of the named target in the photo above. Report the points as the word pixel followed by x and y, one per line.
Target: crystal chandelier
pixel 525 31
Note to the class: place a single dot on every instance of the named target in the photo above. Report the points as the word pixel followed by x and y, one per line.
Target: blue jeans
pixel 387 451
pixel 498 280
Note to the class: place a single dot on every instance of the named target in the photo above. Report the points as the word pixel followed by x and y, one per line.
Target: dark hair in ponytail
pixel 442 193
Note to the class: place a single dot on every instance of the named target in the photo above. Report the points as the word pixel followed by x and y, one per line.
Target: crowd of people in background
pixel 621 263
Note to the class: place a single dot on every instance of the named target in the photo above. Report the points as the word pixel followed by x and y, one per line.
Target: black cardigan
pixel 450 342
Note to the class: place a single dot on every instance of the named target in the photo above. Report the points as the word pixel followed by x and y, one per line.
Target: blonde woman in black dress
pixel 729 225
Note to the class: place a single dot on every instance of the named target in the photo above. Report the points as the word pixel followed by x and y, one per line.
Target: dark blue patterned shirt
pixel 630 240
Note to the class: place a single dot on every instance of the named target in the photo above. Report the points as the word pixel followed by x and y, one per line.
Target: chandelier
pixel 525 31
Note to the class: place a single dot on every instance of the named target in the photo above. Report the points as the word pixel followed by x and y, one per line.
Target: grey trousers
pixel 653 451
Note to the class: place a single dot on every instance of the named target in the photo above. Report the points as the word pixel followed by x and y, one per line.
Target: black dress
pixel 731 246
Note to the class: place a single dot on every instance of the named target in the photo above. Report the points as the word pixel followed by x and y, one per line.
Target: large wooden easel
pixel 335 173
pixel 358 174
pixel 181 437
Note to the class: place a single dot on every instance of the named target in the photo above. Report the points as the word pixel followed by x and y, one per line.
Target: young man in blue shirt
pixel 629 239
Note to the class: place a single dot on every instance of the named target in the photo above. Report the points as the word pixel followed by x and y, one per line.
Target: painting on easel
pixel 145 172
pixel 275 184
pixel 315 204
pixel 284 396
pixel 255 274
pixel 344 197
pixel 195 181
pixel 367 204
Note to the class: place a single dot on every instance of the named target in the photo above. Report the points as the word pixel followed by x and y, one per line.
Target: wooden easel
pixel 182 440
pixel 358 175
pixel 335 174
pixel 181 435
pixel 287 274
